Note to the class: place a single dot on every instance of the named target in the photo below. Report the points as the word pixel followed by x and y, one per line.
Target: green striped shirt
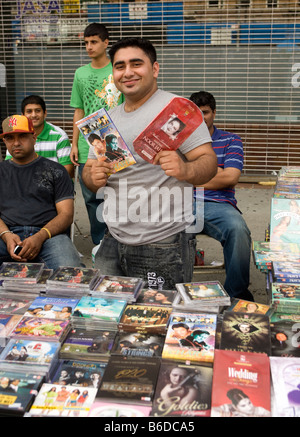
pixel 52 143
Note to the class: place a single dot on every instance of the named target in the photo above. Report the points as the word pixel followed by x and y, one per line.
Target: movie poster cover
pixel 122 287
pixel 152 296
pixel 138 344
pixel 99 308
pixel 103 136
pixel 88 344
pixel 245 306
pixel 73 276
pixel 285 220
pixel 202 291
pixel 41 328
pixel 33 352
pixel 183 390
pixel 145 318
pixel 52 307
pixel 62 401
pixel 79 373
pixel 21 271
pixel 246 332
pixel 190 337
pixel 241 385
pixel 17 391
pixel 170 128
pixel 285 338
pixel 129 380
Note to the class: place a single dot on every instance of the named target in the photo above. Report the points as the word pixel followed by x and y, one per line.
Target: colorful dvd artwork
pixel 103 136
pixel 241 385
pixel 63 401
pixel 172 126
pixel 190 337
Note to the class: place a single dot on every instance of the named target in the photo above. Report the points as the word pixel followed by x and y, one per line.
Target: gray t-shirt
pixel 142 204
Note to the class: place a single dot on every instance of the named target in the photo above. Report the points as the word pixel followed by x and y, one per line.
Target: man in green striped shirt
pixel 52 141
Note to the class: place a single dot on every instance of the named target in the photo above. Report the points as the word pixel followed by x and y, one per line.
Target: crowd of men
pixel 37 190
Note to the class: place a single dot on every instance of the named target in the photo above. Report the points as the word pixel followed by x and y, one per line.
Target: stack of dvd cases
pixel 18 390
pixel 72 281
pixel 98 313
pixel 41 328
pixel 207 296
pixel 30 355
pixel 118 287
pixel 22 277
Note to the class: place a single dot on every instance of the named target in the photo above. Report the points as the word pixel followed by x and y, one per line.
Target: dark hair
pixel 141 43
pixel 33 100
pixel 96 29
pixel 236 395
pixel 198 332
pixel 109 138
pixel 93 137
pixel 180 325
pixel 204 98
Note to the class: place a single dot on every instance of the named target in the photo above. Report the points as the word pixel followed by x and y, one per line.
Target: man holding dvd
pixel 148 207
pixel 36 202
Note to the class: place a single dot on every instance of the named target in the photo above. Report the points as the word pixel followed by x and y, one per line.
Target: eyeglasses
pixel 11 138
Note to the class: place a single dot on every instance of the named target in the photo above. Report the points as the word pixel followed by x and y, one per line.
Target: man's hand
pixel 198 167
pixel 171 164
pixel 11 241
pixel 31 247
pixel 74 154
pixel 96 172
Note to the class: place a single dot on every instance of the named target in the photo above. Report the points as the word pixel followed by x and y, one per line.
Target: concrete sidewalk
pixel 254 201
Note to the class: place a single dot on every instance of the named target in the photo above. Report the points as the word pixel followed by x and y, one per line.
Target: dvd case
pixel 183 390
pixel 191 337
pixel 103 136
pixel 129 380
pixel 241 385
pixel 62 401
pixel 169 129
pixel 21 272
pixel 120 287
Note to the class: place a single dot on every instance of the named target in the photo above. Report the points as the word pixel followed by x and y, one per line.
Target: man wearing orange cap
pixel 36 202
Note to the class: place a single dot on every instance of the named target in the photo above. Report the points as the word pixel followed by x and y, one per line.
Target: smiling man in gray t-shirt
pixel 147 206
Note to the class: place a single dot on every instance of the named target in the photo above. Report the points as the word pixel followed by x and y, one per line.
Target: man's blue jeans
pixel 225 223
pixel 55 252
pixel 98 228
pixel 161 264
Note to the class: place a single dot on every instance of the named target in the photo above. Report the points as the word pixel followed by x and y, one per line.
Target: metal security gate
pixel 246 53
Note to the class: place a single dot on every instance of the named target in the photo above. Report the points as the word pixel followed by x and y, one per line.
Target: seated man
pixel 52 142
pixel 222 219
pixel 36 201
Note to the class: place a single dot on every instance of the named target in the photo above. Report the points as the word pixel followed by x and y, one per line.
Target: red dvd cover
pixel 169 129
pixel 241 385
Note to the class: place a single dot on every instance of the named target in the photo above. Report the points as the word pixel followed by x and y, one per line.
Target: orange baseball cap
pixel 17 124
